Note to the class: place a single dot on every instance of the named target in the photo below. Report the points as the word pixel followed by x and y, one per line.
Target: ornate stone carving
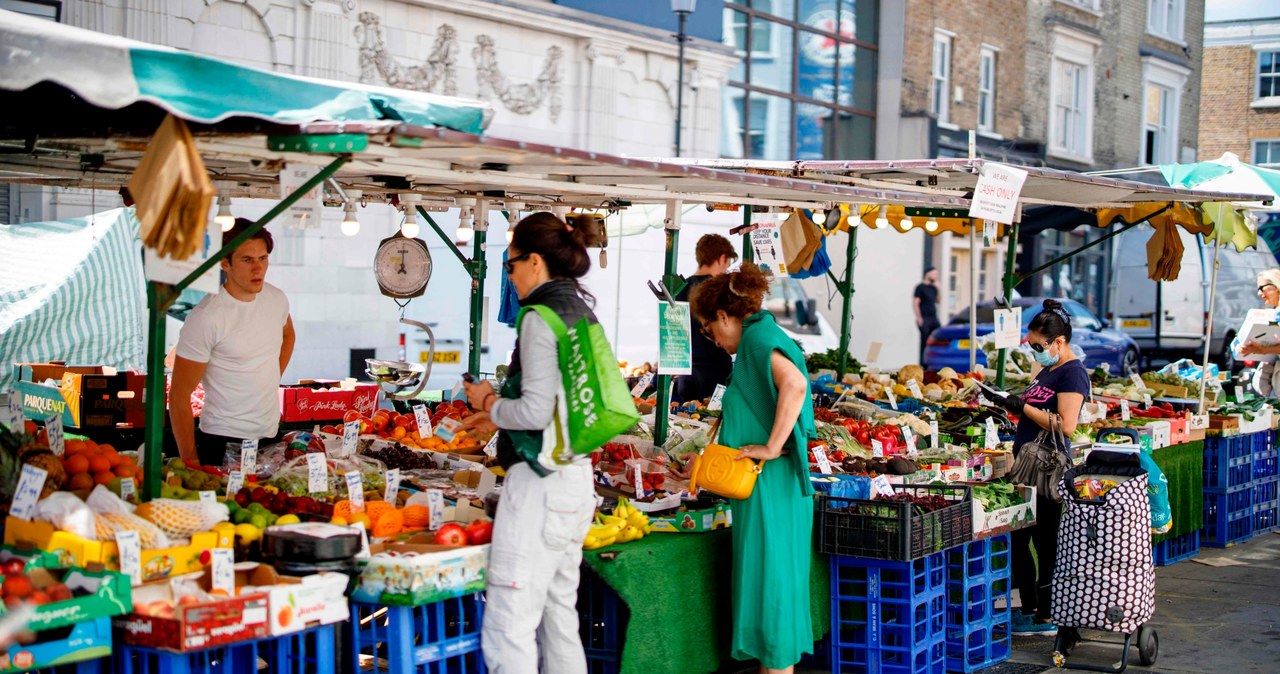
pixel 440 67
pixel 521 99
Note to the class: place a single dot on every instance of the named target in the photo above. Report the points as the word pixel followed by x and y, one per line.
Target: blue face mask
pixel 1045 358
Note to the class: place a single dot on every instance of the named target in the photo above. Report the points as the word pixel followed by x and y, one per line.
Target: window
pixel 1086 4
pixel 940 98
pixel 987 89
pixel 1071 94
pixel 1266 151
pixel 1164 18
pixel 1268 74
pixel 1163 83
pixel 44 9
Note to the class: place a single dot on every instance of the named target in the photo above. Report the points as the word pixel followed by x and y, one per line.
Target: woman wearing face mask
pixel 1265 379
pixel 1060 388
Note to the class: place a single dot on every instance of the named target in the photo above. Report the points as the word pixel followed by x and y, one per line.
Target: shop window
pixel 44 9
pixel 1071 107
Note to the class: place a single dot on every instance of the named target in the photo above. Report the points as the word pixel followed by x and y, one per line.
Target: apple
pixel 479 532
pixel 39 598
pixel 58 592
pixel 11 566
pixel 451 534
pixel 351 416
pixel 188 600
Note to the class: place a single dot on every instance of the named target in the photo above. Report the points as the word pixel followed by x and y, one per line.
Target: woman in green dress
pixel 768 415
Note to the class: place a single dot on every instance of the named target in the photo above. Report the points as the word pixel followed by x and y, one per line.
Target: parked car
pixel 948 346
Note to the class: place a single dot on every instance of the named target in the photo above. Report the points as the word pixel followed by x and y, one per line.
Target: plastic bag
pixel 1157 494
pixel 293 477
pixel 114 515
pixel 66 512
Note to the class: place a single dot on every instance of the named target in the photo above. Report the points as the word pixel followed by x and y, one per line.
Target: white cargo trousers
pixel 532 593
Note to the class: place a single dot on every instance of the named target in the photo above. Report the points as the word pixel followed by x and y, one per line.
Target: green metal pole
pixel 846 290
pixel 1010 278
pixel 477 269
pixel 662 412
pixel 748 253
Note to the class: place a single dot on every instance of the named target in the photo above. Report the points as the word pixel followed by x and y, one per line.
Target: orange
pixel 91 445
pixel 104 448
pixel 113 458
pixel 398 433
pixel 81 481
pixel 104 478
pixel 389 524
pixel 99 464
pixel 376 509
pixel 125 470
pixel 342 509
pixel 73 446
pixel 77 464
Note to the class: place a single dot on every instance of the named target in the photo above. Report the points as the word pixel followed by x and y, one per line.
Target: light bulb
pixel 931 225
pixel 224 218
pixel 465 231
pixel 819 218
pixel 783 215
pixel 907 223
pixel 882 221
pixel 350 225
pixel 410 227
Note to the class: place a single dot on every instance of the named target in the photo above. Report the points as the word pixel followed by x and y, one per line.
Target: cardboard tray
pixel 71 550
pixel 418 572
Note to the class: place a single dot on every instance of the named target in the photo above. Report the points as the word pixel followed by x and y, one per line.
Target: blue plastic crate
pixel 602 623
pixel 310 651
pixel 1228 517
pixel 888 617
pixel 978 596
pixel 1266 516
pixel 1228 462
pixel 821 657
pixel 1267 489
pixel 1266 460
pixel 438 638
pixel 1176 549
pixel 905 405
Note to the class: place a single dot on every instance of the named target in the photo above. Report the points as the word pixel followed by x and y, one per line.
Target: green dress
pixel 772 528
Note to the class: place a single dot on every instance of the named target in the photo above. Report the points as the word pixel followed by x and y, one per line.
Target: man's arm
pixel 286 346
pixel 186 374
pixel 915 304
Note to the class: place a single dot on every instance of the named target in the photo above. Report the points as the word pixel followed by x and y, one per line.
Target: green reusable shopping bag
pixel 594 404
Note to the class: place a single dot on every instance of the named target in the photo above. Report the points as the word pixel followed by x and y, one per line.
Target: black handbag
pixel 1041 462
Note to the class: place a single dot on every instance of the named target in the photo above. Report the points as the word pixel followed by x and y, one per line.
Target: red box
pixel 313 401
pixel 197 626
pixel 1179 430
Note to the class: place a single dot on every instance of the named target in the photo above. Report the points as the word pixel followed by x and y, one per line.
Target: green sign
pixel 675 354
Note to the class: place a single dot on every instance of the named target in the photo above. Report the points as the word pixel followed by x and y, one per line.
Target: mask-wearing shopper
pixel 531 601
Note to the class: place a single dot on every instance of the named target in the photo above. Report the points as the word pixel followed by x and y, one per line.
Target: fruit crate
pixel 442 637
pixel 1266 505
pixel 1228 517
pixel 1176 549
pixel 888 616
pixel 979 584
pixel 894 530
pixel 602 623
pixel 1266 460
pixel 311 651
pixel 70 648
pixel 905 405
pixel 1228 462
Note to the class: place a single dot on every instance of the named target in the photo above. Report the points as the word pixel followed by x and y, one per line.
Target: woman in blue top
pixel 1060 388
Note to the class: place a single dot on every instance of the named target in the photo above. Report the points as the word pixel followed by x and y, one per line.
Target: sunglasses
pixel 510 265
pixel 1039 348
pixel 1263 287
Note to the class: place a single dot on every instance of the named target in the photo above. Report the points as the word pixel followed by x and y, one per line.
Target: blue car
pixel 948 346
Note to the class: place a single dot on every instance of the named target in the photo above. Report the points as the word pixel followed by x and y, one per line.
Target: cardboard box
pixel 695 521
pixel 87 396
pixel 1178 430
pixel 987 524
pixel 297 603
pixel 1261 421
pixel 1219 422
pixel 310 400
pixel 1159 432
pixel 72 550
pixel 89 640
pixel 419 572
pixel 196 626
pixel 1170 391
pixel 109 596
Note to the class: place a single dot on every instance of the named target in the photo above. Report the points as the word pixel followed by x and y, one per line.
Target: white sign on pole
pixel 1008 327
pixel 167 270
pixel 305 212
pixel 989 233
pixel 996 195
pixel 766 242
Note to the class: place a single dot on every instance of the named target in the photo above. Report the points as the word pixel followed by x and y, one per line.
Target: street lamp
pixel 682 8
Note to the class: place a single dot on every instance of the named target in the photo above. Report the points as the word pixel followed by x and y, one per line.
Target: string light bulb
pixel 350 224
pixel 224 218
pixel 465 230
pixel 882 220
pixel 931 225
pixel 906 223
pixel 819 217
pixel 410 228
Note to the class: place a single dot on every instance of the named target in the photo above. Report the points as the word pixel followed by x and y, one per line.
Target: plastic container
pixel 316 542
pixel 978 598
pixel 310 651
pixel 893 530
pixel 1176 549
pixel 602 623
pixel 888 617
pixel 438 638
pixel 1228 462
pixel 1228 517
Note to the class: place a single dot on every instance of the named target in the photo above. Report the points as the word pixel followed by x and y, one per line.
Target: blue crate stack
pixel 310 651
pixel 602 622
pixel 888 617
pixel 1266 474
pixel 438 638
pixel 978 596
pixel 1176 548
pixel 1229 488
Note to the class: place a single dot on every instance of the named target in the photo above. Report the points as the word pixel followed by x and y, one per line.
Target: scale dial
pixel 402 267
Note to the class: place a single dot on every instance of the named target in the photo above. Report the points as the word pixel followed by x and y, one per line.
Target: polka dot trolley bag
pixel 1105 578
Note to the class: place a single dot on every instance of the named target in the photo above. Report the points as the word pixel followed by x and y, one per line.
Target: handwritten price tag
pixel 909 437
pixel 129 489
pixel 235 482
pixel 423 416
pixel 30 485
pixel 1146 400
pixel 934 439
pixel 642 385
pixel 1137 381
pixel 893 399
pixel 249 457
pixel 53 428
pixel 130 547
pixel 355 491
pixel 207 496
pixel 317 473
pixel 491 447
pixel 880 487
pixel 14 418
pixel 717 398
pixel 393 486
pixel 877 448
pixel 1199 422
pixel 435 508
pixel 820 454
pixel 224 570
pixel 993 436
pixel 1124 409
pixel 914 387
pixel 350 436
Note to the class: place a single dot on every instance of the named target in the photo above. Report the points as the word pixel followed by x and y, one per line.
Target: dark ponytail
pixel 562 247
pixel 1052 321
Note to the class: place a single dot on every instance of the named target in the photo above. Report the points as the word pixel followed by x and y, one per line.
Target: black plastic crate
pixel 894 530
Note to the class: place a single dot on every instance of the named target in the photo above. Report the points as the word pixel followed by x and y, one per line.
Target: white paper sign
pixel 249 457
pixel 717 398
pixel 235 482
pixel 207 496
pixel 355 491
pixel 996 195
pixel 914 387
pixel 880 487
pixel 30 484
pixel 435 508
pixel 317 473
pixel 491 447
pixel 766 242
pixel 989 232
pixel 350 436
pixel 130 550
pixel 642 385
pixel 364 540
pixel 909 437
pixel 1124 409
pixel 820 455
pixel 877 448
pixel 128 489
pixel 14 418
pixel 873 352
pixel 992 435
pixel 393 486
pixel 1008 324
pixel 423 415
pixel 224 570
pixel 1137 381
pixel 1146 399
pixel 448 429
pixel 53 429
pixel 893 399
pixel 934 440
pixel 637 480
pixel 168 270
pixel 1199 422
pixel 306 211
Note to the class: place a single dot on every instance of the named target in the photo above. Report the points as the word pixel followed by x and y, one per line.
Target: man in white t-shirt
pixel 238 342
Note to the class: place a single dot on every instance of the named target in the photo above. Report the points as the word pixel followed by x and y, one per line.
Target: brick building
pixel 1241 90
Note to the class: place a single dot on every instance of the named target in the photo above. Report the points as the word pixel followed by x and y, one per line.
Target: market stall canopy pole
pixel 477 271
pixel 846 291
pixel 670 281
pixel 1010 280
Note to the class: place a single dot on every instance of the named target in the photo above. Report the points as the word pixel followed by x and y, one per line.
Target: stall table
pixel 677 588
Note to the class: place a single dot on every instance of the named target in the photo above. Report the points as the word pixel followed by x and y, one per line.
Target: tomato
pixel 479 532
pixel 11 566
pixel 863 437
pixel 452 534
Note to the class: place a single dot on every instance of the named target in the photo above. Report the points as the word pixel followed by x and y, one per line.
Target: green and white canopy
pixel 113 72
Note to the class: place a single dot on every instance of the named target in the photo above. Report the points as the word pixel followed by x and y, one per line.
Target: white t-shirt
pixel 240 343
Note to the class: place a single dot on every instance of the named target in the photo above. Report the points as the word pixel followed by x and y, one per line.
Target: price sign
pixel 53 428
pixel 14 418
pixel 909 437
pixel 355 491
pixel 393 485
pixel 317 473
pixel 717 398
pixel 224 570
pixel 448 429
pixel 873 352
pixel 435 508
pixel 914 387
pixel 1146 400
pixel 1199 422
pixel 893 399
pixel 880 487
pixel 235 482
pixel 364 540
pixel 1137 381
pixel 820 454
pixel 491 447
pixel 642 385
pixel 877 448
pixel 129 489
pixel 934 440
pixel 249 457
pixel 423 416
pixel 988 233
pixel 130 547
pixel 30 485
pixel 637 480
pixel 1124 409
pixel 993 436
pixel 207 496
pixel 350 436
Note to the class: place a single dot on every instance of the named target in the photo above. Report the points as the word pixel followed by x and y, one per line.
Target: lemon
pixel 362 518
pixel 248 533
pixel 224 527
pixel 340 521
pixel 288 519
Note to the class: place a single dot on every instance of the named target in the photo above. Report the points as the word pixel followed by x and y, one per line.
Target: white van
pixel 1167 319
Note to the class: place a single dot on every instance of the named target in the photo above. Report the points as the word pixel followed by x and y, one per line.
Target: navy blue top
pixel 1070 377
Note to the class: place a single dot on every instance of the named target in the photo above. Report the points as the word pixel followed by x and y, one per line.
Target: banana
pixel 637 519
pixel 590 542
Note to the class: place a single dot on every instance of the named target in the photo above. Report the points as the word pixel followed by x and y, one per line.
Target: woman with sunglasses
pixel 1265 379
pixel 768 416
pixel 1060 388
pixel 541 520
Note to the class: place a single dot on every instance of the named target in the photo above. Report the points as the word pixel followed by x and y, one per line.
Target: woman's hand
pixel 479 421
pixel 684 471
pixel 478 395
pixel 759 452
